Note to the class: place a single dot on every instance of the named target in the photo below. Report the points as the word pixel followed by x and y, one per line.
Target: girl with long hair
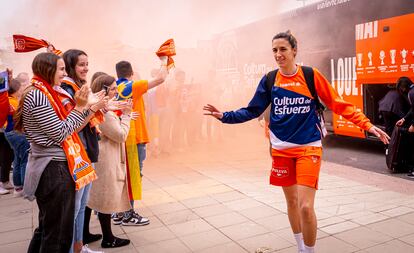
pixel 57 163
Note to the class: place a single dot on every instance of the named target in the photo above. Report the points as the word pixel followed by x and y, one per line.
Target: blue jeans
pixel 81 201
pixel 20 146
pixel 142 154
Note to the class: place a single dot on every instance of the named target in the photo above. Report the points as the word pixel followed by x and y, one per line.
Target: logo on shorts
pixel 315 159
pixel 280 172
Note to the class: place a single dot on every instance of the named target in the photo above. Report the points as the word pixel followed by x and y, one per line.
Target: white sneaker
pixel 7 185
pixel 3 191
pixel 85 249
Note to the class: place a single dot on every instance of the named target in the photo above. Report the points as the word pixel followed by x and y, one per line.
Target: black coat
pixel 395 103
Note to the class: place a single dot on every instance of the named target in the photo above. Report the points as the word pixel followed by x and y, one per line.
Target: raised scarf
pixel 24 44
pixel 98 116
pixel 79 164
pixel 167 49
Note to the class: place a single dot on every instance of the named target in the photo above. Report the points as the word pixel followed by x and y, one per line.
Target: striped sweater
pixel 41 124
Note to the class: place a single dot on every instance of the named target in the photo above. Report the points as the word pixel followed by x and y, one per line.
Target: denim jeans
pixel 81 201
pixel 55 197
pixel 20 146
pixel 142 154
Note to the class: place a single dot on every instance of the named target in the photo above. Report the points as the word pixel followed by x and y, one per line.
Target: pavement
pixel 216 198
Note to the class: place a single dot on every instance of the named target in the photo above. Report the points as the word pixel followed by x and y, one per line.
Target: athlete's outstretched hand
pixel 380 134
pixel 213 111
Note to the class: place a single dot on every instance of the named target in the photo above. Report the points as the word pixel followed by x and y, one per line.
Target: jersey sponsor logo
pixel 280 172
pixel 292 84
pixel 286 105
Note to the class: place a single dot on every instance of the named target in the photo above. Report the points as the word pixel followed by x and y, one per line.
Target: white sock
pixel 299 241
pixel 309 249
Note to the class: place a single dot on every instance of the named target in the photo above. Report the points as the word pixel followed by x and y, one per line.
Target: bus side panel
pixel 382 56
pixel 385 50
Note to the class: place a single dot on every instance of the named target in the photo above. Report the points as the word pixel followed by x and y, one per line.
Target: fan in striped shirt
pixel 47 173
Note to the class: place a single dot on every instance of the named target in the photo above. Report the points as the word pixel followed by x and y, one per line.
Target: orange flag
pixel 167 49
pixel 24 44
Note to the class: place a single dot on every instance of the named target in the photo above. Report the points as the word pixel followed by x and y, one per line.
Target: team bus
pixel 361 46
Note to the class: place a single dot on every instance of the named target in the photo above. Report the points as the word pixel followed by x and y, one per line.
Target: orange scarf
pixel 24 44
pixel 78 162
pixel 98 117
pixel 167 49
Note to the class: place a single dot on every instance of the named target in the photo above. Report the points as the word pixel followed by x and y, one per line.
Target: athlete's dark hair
pixel 287 36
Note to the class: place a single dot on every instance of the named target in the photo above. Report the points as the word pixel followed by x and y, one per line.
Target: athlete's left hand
pixel 411 129
pixel 380 134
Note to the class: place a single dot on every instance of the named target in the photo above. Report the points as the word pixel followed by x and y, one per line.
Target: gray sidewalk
pixel 219 200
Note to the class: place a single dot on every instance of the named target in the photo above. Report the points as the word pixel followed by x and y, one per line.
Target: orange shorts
pixel 296 166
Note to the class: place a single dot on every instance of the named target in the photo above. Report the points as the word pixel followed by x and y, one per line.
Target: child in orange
pixel 135 89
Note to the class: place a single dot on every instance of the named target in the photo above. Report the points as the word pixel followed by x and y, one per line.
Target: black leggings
pixel 87 219
pixel 105 221
pixel 6 159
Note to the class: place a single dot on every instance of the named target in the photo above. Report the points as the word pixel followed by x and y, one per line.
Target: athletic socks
pixel 309 249
pixel 299 242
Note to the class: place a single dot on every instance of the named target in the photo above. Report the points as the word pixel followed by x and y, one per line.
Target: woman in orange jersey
pixel 296 131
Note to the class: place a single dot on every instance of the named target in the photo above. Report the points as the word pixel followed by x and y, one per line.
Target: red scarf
pixel 78 162
pixel 167 49
pixel 24 44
